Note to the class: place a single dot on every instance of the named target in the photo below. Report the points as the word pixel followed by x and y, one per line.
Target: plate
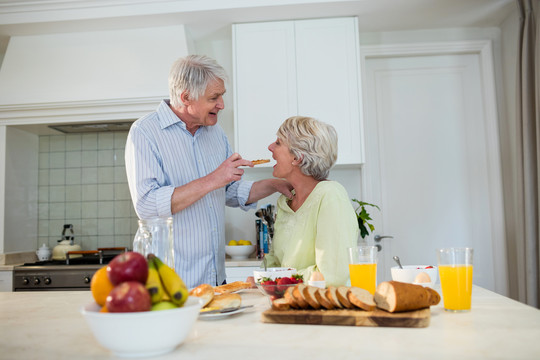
pixel 216 316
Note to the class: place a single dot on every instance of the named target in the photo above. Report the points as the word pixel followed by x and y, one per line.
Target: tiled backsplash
pixel 82 181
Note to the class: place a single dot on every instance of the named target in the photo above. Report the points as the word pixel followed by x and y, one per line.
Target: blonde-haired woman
pixel 314 228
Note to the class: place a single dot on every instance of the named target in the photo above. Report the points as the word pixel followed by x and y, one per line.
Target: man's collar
pixel 167 117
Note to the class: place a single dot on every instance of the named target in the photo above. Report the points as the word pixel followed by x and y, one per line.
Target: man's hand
pixel 228 171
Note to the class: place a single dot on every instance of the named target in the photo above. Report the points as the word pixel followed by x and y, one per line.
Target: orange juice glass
pixel 456 274
pixel 363 267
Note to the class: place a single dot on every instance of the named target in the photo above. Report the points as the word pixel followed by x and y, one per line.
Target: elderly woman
pixel 314 228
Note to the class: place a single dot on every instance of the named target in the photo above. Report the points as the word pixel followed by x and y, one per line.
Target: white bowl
pixel 409 273
pixel 273 273
pixel 239 252
pixel 140 334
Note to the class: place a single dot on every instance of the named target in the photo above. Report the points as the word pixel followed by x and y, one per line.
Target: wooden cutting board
pixel 414 319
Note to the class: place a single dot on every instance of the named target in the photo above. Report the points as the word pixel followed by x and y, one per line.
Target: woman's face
pixel 284 159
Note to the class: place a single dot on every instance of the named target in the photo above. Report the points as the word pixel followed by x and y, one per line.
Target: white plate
pixel 216 316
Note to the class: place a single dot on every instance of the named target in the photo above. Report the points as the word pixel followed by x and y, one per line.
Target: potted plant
pixel 363 217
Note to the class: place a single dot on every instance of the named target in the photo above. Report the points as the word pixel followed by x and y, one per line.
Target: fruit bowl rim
pixel 92 309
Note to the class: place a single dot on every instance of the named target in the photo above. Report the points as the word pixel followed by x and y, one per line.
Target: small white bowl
pixel 410 272
pixel 142 334
pixel 239 252
pixel 273 273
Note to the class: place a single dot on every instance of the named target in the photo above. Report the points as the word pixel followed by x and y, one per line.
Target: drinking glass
pixel 456 274
pixel 363 267
pixel 155 236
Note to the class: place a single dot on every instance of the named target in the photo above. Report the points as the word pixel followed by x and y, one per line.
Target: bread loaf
pixel 394 296
pixel 203 291
pixel 361 298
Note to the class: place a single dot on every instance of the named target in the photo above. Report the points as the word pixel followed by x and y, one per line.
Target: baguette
pixel 395 296
pixel 331 295
pixel 361 298
pixel 226 301
pixel 203 291
pixel 342 297
pixel 309 295
pixel 231 287
pixel 298 295
pixel 320 295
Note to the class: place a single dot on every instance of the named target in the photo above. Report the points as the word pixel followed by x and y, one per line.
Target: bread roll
pixel 226 301
pixel 361 298
pixel 203 291
pixel 395 296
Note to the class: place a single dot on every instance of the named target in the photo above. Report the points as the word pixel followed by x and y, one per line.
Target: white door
pixel 430 160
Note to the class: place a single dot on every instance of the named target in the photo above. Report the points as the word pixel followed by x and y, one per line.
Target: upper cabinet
pixel 304 67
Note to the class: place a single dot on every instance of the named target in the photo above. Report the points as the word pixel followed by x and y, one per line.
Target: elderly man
pixel 179 163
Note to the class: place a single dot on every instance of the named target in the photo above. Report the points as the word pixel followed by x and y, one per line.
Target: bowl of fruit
pixel 239 250
pixel 141 307
pixel 273 273
pixel 275 288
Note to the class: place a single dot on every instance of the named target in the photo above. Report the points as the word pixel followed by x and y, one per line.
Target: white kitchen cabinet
pixel 303 67
pixel 6 280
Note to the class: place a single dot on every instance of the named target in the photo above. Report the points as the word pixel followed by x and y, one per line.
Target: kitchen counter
pixel 48 325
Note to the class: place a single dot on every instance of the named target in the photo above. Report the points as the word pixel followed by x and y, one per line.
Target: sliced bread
pixel 320 295
pixel 331 295
pixel 298 294
pixel 309 295
pixel 361 298
pixel 288 295
pixel 280 304
pixel 342 297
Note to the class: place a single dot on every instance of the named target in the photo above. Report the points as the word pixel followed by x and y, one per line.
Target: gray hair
pixel 313 142
pixel 192 74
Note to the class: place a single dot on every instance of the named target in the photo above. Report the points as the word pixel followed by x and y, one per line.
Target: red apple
pixel 128 266
pixel 129 296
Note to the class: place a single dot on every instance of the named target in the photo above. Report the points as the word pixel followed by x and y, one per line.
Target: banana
pixel 172 283
pixel 153 283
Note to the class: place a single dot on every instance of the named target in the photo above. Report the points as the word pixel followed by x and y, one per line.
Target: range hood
pixel 95 77
pixel 91 127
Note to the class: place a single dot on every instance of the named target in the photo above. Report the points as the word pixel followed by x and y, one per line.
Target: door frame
pixel 483 48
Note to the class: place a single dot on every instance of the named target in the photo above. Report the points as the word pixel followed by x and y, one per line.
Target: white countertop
pixel 48 325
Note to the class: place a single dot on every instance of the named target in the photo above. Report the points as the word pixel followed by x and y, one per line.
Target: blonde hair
pixel 192 74
pixel 311 141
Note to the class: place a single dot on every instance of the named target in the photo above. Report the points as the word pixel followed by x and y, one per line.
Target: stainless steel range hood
pixel 91 127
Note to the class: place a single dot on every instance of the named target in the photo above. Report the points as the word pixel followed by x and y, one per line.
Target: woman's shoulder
pixel 330 186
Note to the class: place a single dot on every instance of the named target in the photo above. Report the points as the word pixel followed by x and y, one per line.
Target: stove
pixel 74 273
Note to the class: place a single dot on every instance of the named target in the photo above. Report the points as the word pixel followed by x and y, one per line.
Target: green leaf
pixel 363 217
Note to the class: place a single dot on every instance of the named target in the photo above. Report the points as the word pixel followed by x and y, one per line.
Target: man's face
pixel 204 110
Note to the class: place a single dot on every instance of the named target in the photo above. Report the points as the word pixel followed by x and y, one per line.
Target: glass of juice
pixel 363 267
pixel 456 274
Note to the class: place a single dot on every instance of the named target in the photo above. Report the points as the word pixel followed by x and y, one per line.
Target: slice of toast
pixel 280 304
pixel 342 297
pixel 320 295
pixel 361 298
pixel 309 295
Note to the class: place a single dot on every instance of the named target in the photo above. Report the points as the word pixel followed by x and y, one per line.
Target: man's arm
pixel 185 195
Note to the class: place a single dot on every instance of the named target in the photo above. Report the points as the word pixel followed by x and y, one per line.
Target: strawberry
pixel 297 278
pixel 269 286
pixel 282 284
